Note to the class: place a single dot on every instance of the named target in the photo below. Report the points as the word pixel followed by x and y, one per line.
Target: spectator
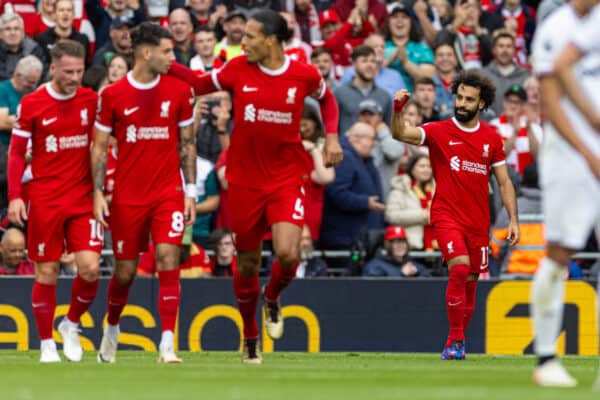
pixel 521 136
pixel 204 14
pixel 205 59
pixel 310 266
pixel 25 78
pixel 445 73
pixel 395 261
pixel 307 19
pixel 425 97
pixel 294 47
pixel 27 10
pixel 412 114
pixel 231 45
pixel 14 45
pixel 388 151
pixel 44 19
pixel 321 58
pixel 340 38
pixel 119 43
pixel 223 218
pixel 213 125
pixel 117 68
pixel 63 29
pixel 353 202
pixel 362 87
pixel 180 25
pixel 409 203
pixel 373 10
pixel 12 249
pixel 95 77
pixel 224 262
pixel 386 78
pixel 472 42
pixel 518 20
pixel 193 261
pixel 533 109
pixel 3 181
pixel 312 133
pixel 207 200
pixel 502 70
pixel 132 11
pixel 404 49
pixel 520 261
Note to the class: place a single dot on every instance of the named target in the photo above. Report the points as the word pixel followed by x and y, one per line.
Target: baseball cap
pixel 371 106
pixel 394 232
pixel 396 7
pixel 236 12
pixel 517 90
pixel 328 16
pixel 158 8
pixel 120 21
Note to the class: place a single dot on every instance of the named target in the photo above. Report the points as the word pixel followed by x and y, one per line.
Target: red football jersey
pixel 145 119
pixel 461 160
pixel 266 150
pixel 60 128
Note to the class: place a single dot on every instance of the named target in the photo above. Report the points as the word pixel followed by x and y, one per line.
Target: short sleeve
pixel 225 77
pixel 427 134
pixel 544 49
pixel 186 111
pixel 24 123
pixel 316 82
pixel 586 34
pixel 104 113
pixel 498 155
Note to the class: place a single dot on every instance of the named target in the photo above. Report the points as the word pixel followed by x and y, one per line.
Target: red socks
pixel 43 301
pixel 470 303
pixel 117 300
pixel 247 292
pixel 169 293
pixel 456 301
pixel 280 279
pixel 82 295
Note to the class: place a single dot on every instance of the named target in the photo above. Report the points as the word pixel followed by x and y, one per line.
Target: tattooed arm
pixel 99 153
pixel 187 157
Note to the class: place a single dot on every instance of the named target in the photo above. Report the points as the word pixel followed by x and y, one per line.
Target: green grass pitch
pixel 286 376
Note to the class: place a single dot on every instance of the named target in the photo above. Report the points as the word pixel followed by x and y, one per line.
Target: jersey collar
pixel 464 129
pixel 278 71
pixel 58 96
pixel 142 86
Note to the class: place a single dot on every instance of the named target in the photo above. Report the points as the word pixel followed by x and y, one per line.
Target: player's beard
pixel 467 116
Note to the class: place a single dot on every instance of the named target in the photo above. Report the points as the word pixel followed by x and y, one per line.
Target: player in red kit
pixel 58 118
pixel 150 115
pixel 463 152
pixel 267 164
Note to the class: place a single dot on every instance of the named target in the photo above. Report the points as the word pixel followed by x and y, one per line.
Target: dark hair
pixel 216 236
pixel 318 51
pixel 487 89
pixel 362 50
pixel 272 24
pixel 205 28
pixel 93 77
pixel 443 43
pixel 415 34
pixel 413 161
pixel 424 80
pixel 67 47
pixel 310 113
pixel 148 33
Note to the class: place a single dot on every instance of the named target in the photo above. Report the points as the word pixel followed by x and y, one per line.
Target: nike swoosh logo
pixel 454 304
pixel 46 122
pixel 249 89
pixel 83 300
pixel 451 143
pixel 297 217
pixel 129 111
pixel 483 267
pixel 165 298
pixel 95 243
pixel 174 234
pixel 36 305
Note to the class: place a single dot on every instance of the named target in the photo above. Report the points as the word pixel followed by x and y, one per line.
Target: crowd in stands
pixel 375 204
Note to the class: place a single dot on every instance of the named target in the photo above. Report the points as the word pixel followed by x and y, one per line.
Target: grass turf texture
pixel 287 376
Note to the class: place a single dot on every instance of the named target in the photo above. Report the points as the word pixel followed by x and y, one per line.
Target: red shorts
pixel 253 211
pixel 50 228
pixel 453 243
pixel 131 226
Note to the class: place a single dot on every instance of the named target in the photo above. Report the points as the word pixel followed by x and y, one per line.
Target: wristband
pixel 399 104
pixel 191 190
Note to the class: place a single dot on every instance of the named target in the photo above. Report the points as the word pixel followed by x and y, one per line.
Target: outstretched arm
pixel 401 132
pixel 202 84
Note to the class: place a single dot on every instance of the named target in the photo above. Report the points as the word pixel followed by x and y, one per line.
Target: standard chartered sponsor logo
pixel 455 163
pixel 469 166
pixel 251 114
pixel 51 144
pixel 73 142
pixel 134 134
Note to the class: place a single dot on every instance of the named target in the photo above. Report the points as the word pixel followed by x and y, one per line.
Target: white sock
pixel 47 343
pixel 547 304
pixel 166 341
pixel 71 323
pixel 112 330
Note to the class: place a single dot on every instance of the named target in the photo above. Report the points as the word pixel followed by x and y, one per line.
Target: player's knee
pixel 288 257
pixel 167 261
pixel 124 277
pixel 47 274
pixel 89 271
pixel 249 263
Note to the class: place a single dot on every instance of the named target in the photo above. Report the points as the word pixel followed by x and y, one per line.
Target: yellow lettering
pixel 86 322
pixel 147 322
pixel 312 326
pixel 197 325
pixel 21 335
pixel 512 334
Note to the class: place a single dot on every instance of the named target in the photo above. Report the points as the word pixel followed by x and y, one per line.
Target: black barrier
pixel 321 315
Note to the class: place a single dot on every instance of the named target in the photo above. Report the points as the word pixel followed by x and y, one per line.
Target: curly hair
pixel 487 88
